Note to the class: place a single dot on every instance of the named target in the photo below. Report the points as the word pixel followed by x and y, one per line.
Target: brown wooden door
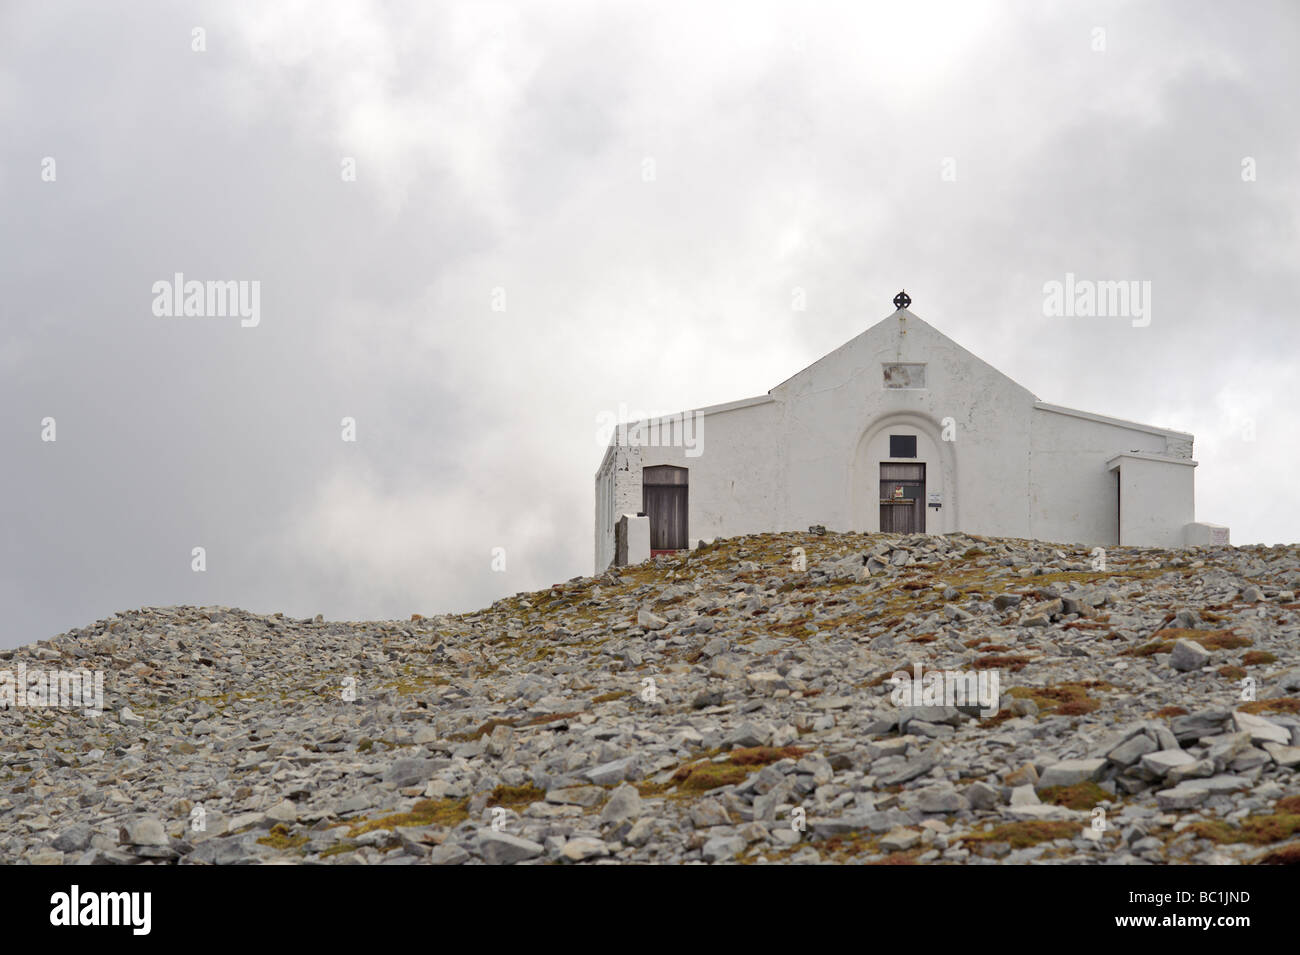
pixel 902 498
pixel 664 496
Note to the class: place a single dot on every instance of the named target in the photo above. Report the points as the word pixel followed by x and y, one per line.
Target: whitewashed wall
pixel 1156 501
pixel 1073 495
pixel 1005 463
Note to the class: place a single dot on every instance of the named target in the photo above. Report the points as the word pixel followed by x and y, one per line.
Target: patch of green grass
pixel 338 849
pixel 279 838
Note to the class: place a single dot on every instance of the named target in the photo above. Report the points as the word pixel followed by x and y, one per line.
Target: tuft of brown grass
pixel 1255 830
pixel 510 796
pixel 1214 639
pixel 1081 796
pixel 279 838
pixel 705 774
pixel 701 777
pixel 1065 699
pixel 1012 662
pixel 1149 649
pixel 1283 704
pixel 1286 855
pixel 426 812
pixel 1022 835
pixel 1209 639
pixel 763 755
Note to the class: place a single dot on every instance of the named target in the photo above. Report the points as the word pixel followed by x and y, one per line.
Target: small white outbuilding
pixel 899 430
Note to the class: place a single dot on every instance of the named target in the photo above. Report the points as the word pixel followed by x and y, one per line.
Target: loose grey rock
pixel 531 716
pixel 501 848
pixel 624 803
pixel 1068 772
pixel 1188 655
pixel 583 848
pixel 721 848
pixel 145 831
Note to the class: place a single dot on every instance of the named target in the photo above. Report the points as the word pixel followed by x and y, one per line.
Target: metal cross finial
pixel 902 299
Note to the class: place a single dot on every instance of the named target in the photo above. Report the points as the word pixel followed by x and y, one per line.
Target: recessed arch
pixel 937 454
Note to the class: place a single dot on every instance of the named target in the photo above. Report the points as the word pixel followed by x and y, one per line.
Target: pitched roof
pixel 893 327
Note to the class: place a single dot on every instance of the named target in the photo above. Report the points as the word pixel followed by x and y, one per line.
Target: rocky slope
pixel 722 706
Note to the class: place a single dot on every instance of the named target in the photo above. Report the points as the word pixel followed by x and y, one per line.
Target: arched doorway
pixel 904 450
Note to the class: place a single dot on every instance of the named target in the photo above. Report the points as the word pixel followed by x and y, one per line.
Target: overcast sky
pixel 642 186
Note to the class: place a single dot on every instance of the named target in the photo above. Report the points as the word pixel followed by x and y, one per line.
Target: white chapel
pixel 898 430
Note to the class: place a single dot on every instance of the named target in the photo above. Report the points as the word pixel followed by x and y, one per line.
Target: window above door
pixel 902 445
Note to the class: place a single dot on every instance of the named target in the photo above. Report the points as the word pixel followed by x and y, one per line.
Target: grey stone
pixel 1071 771
pixel 917 766
pixel 1024 796
pixel 583 848
pixel 982 796
pixel 1288 756
pixel 615 771
pixel 447 854
pixel 145 831
pixel 585 796
pixel 502 848
pixel 1129 752
pixel 900 840
pixel 1188 655
pixel 649 620
pixel 747 734
pixel 1196 725
pixel 624 803
pixel 766 682
pixel 1163 761
pixel 941 799
pixel 1260 729
pixel 722 848
pixel 408 772
pixel 75 838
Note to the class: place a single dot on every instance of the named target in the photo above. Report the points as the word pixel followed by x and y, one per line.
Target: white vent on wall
pixel 905 375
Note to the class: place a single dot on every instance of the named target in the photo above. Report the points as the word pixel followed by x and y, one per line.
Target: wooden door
pixel 902 498
pixel 664 491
